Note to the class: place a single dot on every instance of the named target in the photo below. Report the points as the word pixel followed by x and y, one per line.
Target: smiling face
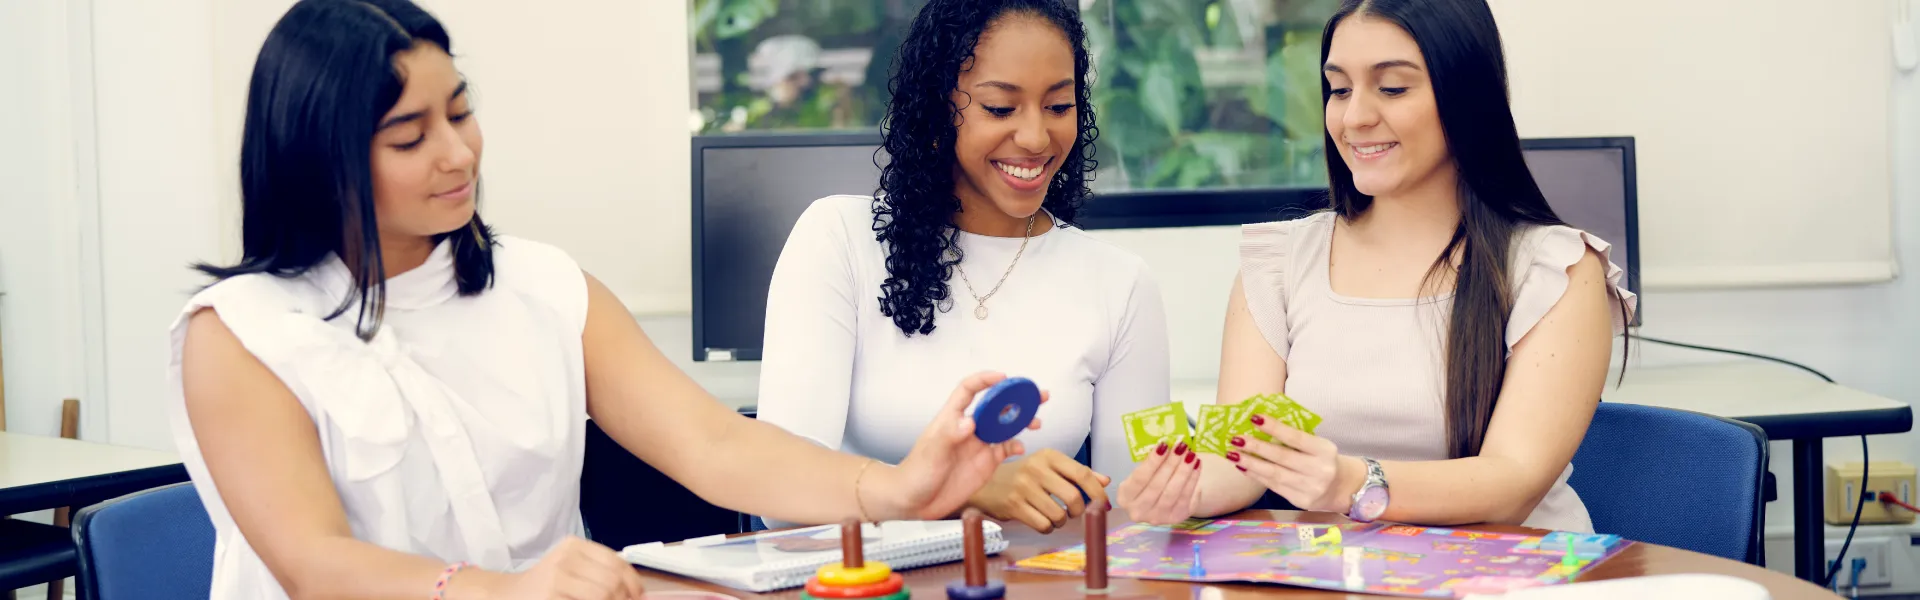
pixel 426 151
pixel 1017 122
pixel 1381 114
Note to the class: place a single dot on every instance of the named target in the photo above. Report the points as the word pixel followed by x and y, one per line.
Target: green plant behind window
pixel 1190 93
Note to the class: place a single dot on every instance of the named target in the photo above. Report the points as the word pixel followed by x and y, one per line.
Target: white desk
pixel 39 472
pixel 1787 403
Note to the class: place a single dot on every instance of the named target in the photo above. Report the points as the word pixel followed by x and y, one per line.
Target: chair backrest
pixel 154 544
pixel 1675 478
pixel 625 501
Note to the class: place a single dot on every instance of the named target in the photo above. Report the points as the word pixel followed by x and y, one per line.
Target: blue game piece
pixel 1196 570
pixel 1006 409
pixel 959 590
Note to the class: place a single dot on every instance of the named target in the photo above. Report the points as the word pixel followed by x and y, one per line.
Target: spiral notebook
pixel 777 560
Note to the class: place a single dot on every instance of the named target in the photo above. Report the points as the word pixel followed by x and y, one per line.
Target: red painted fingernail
pixel 1190 457
pixel 1233 456
pixel 1180 449
pixel 1196 461
pixel 1238 441
pixel 1257 420
pixel 1162 449
pixel 1242 469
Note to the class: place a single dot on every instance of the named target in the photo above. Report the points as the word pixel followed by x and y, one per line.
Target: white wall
pixel 41 329
pixel 589 120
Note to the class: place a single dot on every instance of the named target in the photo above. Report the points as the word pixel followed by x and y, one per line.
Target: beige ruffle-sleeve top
pixel 1374 368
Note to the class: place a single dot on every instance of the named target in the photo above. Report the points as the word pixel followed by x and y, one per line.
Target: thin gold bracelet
pixel 857 503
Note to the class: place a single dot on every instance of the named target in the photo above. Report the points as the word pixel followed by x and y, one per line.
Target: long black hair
pixel 913 209
pixel 1497 193
pixel 323 80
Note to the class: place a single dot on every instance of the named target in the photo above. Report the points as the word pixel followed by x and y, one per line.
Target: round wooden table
pixel 930 583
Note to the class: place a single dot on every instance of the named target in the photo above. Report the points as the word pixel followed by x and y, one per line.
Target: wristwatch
pixel 1371 501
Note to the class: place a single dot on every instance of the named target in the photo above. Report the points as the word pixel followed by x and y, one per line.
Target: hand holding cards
pixel 1217 424
pixel 1147 428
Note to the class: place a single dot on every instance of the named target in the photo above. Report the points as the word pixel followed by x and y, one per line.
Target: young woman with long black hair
pixel 1451 330
pixel 383 399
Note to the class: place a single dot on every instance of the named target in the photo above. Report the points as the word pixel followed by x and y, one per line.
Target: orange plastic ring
pixel 892 584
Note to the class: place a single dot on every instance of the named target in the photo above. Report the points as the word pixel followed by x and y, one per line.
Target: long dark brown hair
pixel 1497 193
pixel 322 82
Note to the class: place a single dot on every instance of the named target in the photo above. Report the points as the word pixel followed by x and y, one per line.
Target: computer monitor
pixel 749 190
pixel 1589 182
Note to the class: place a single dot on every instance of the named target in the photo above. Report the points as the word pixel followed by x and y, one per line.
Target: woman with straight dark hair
pixel 382 399
pixel 1450 329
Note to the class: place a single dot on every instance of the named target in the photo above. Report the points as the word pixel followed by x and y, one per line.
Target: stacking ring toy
pixel 841 576
pixel 893 583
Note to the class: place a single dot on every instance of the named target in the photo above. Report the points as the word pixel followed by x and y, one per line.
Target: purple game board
pixel 1379 558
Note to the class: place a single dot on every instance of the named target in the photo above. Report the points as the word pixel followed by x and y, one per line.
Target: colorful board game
pixel 1378 558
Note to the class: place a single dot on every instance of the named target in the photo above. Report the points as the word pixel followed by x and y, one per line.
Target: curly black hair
pixel 913 209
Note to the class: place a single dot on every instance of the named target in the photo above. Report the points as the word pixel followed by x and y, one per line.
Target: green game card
pixel 1147 428
pixel 1265 404
pixel 1212 435
pixel 1297 416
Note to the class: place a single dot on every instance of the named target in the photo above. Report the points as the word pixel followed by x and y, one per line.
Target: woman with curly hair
pixel 966 258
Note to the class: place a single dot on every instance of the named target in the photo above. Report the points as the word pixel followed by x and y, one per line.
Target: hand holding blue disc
pixel 1006 409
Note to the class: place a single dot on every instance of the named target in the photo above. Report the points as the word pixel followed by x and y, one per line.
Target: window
pixel 1191 94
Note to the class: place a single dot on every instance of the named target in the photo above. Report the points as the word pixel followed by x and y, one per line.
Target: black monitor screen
pixel 750 199
pixel 1587 188
pixel 750 190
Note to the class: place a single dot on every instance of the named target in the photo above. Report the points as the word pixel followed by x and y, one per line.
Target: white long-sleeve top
pixel 1077 315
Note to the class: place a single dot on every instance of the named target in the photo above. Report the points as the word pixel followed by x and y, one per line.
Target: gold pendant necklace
pixel 980 302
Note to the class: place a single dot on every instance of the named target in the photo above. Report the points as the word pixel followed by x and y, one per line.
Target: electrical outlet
pixel 1874 549
pixel 1844 489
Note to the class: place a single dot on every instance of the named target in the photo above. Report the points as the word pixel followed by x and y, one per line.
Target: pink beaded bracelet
pixel 440 585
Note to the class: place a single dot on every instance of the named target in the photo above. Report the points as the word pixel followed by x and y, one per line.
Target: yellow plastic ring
pixel 870 572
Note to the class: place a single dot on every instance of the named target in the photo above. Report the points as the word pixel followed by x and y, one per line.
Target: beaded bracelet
pixel 440 585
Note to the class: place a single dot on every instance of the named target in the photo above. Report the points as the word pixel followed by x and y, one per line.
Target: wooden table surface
pixel 930 582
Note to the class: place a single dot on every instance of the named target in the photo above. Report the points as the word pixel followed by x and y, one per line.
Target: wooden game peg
pixel 853 552
pixel 1096 524
pixel 976 586
pixel 853 569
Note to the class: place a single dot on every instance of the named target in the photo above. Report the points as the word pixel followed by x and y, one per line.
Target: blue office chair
pixel 154 544
pixel 1675 478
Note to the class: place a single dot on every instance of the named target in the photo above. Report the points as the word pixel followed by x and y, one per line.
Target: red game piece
pixel 1096 525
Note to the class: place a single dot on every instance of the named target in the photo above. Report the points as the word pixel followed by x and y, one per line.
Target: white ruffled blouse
pixel 456 433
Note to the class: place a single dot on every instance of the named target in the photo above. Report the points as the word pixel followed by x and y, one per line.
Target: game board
pixel 1379 558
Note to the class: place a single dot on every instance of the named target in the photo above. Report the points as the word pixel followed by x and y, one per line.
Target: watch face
pixel 1373 501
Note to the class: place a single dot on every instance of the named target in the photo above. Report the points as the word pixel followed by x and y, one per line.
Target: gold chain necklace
pixel 980 302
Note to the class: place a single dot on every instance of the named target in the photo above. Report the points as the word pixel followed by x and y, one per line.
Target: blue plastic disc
pixel 959 590
pixel 1005 410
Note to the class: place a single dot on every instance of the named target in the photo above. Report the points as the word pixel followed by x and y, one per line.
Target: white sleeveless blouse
pixel 456 433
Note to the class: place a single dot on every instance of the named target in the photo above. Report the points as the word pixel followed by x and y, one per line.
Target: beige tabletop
pixel 36 469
